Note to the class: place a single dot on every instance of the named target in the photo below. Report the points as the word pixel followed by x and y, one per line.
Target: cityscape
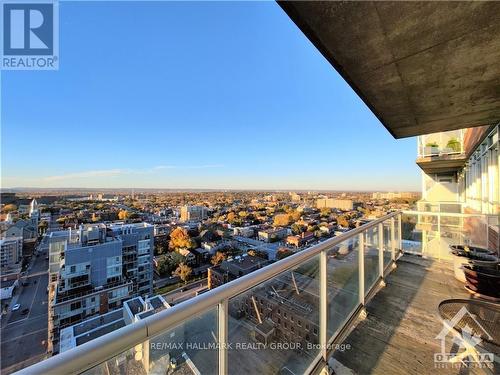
pixel 205 215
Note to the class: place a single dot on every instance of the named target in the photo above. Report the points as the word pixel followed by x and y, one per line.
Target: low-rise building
pixel 10 251
pixel 272 234
pixel 300 239
pixel 231 269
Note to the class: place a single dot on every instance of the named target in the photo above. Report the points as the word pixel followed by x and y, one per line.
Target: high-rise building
pixel 94 269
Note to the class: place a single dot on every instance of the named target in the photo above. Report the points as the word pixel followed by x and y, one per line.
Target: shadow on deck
pixel 398 335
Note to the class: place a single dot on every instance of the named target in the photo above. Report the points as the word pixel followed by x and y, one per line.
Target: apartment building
pixel 92 270
pixel 278 312
pixel 272 234
pixel 392 195
pixel 339 204
pixel 193 213
pixel 10 251
pixel 460 174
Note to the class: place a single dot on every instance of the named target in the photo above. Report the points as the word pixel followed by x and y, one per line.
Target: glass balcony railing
pixel 439 144
pixel 430 233
pixel 283 318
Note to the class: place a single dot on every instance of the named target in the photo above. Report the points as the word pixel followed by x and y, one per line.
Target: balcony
pixel 441 152
pixel 296 315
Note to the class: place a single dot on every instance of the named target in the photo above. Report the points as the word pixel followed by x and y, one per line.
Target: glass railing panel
pixel 387 243
pixel 418 232
pixel 370 258
pixel 190 348
pixel 431 235
pixel 343 283
pixel 445 143
pixel 397 235
pixel 274 327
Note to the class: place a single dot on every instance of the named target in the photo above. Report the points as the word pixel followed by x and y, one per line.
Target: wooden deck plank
pixel 398 336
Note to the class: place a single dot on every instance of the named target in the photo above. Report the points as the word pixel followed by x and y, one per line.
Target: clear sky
pixel 192 95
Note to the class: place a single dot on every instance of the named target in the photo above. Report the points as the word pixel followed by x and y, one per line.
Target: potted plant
pixel 454 145
pixel 431 148
pixel 465 255
pixel 483 280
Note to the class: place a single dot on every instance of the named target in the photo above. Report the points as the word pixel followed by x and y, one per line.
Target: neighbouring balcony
pixel 430 233
pixel 441 152
pixel 289 317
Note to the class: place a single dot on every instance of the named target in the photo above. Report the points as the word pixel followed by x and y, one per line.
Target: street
pixel 24 336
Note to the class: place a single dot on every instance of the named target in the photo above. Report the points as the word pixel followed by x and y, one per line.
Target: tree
pixel 123 215
pixel 9 208
pixel 183 271
pixel 218 258
pixel 169 262
pixel 297 228
pixel 179 239
pixel 343 221
pixel 42 227
pixel 281 220
pixel 325 212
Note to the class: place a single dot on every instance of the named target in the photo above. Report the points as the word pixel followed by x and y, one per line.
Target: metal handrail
pixel 101 349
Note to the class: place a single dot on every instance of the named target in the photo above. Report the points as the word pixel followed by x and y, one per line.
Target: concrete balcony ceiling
pixel 421 67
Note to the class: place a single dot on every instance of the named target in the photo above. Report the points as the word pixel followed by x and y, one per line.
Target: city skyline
pixel 249 105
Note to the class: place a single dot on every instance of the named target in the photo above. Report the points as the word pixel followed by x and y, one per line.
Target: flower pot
pixel 464 255
pixel 485 281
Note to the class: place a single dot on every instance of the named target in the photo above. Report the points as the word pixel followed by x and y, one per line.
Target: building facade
pixel 92 270
pixel 193 213
pixel 10 251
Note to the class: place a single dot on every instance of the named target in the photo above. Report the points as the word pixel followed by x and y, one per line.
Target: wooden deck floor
pixel 398 335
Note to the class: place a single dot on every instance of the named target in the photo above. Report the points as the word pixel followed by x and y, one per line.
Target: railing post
pixel 381 250
pixel 439 233
pixel 223 336
pixel 361 268
pixel 323 304
pixel 393 240
pixel 400 233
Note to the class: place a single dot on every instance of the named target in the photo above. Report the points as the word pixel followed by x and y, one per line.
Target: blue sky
pixel 192 95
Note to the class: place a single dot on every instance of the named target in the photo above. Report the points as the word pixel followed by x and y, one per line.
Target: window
pixel 72 269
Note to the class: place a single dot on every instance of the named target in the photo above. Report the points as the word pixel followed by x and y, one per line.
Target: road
pixel 24 337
